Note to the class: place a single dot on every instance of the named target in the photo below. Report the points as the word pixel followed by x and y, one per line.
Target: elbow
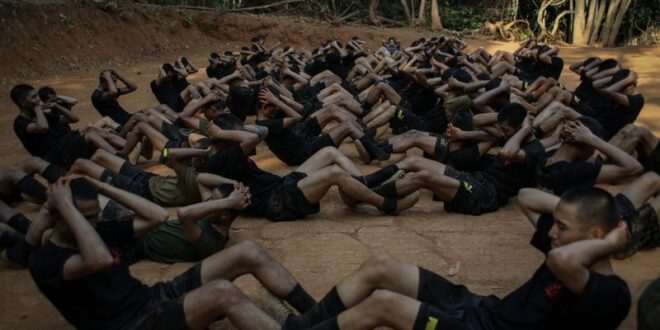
pixel 557 260
pixel 183 214
pixel 102 262
pixel 162 216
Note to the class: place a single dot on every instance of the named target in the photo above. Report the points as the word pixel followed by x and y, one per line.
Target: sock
pixel 381 175
pixel 300 299
pixel 329 324
pixel 20 223
pixel 20 253
pixel 388 148
pixel 9 239
pixel 387 190
pixel 331 305
pixel 52 173
pixel 109 177
pixel 362 179
pixel 31 187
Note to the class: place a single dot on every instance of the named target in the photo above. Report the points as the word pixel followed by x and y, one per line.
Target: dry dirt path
pixel 491 252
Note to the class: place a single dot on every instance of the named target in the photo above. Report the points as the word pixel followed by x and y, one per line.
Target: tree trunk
pixel 373 8
pixel 579 36
pixel 420 20
pixel 436 23
pixel 608 23
pixel 406 11
pixel 593 38
pixel 617 23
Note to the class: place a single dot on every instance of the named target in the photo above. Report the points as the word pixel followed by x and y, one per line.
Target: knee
pixel 79 165
pixel 378 267
pixel 141 126
pixel 551 81
pixel 335 171
pixel 223 293
pixel 408 162
pixel 99 155
pixel 251 253
pixel 330 152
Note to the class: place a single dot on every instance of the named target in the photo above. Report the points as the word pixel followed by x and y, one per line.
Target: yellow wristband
pixel 166 152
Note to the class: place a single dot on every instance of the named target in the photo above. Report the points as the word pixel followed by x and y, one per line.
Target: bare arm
pixel 534 202
pixel 511 150
pixel 40 124
pixel 94 256
pixel 149 215
pixel 570 263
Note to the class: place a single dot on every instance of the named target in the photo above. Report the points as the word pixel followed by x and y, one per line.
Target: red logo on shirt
pixel 552 291
pixel 116 256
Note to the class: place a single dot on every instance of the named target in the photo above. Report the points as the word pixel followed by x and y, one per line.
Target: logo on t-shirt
pixel 468 187
pixel 552 291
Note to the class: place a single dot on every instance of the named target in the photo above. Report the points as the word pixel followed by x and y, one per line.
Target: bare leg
pixel 107 160
pixel 326 157
pixel 642 189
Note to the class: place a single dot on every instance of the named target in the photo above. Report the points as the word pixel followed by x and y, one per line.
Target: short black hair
pixel 512 114
pixel 483 76
pixel 596 207
pixel 493 83
pixel 607 64
pixel 589 60
pixel 227 121
pixel 622 74
pixel 463 120
pixel 204 143
pixel 448 73
pixel 215 55
pixel 168 68
pixel 46 92
pixel 229 53
pixel 593 125
pixel 20 92
pixel 82 189
pixel 462 76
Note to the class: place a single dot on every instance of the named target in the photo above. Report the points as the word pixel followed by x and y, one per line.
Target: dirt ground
pixel 490 254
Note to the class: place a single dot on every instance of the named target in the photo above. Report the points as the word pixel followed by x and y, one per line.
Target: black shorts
pixel 467 158
pixel 135 180
pixel 652 162
pixel 14 196
pixel 173 133
pixel 624 207
pixel 446 305
pixel 287 202
pixel 309 128
pixel 313 146
pixel 69 149
pixel 405 120
pixel 642 226
pixel 165 309
pixel 476 195
pixel 581 106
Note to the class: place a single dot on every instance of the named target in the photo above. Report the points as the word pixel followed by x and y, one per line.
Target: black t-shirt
pixel 552 70
pixel 509 178
pixel 169 93
pixel 220 71
pixel 562 176
pixel 233 164
pixel 106 300
pixel 282 141
pixel 39 144
pixel 436 119
pixel 585 90
pixel 63 126
pixel 109 107
pixel 243 100
pixel 544 303
pixel 615 118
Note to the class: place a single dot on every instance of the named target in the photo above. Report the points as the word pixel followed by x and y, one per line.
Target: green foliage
pixel 109 6
pixel 461 18
pixel 64 19
pixel 186 19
